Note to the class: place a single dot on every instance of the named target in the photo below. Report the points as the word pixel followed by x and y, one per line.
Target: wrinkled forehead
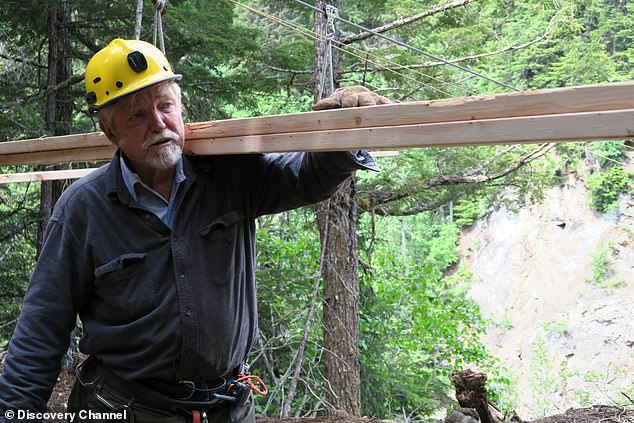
pixel 150 94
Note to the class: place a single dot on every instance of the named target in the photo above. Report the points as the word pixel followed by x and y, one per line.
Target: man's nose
pixel 157 121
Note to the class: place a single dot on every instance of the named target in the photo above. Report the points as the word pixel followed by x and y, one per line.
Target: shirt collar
pixel 131 179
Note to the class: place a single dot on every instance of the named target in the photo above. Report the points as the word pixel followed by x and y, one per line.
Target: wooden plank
pixel 63 142
pixel 617 124
pixel 12 178
pixel 282 132
pixel 44 176
pixel 531 103
pixel 87 154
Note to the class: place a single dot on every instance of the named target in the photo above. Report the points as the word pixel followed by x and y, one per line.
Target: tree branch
pixel 138 20
pixel 403 21
pixel 85 40
pixel 290 395
pixel 28 62
pixel 426 64
pixel 418 208
pixel 293 71
pixel 73 79
pixel 458 60
pixel 374 201
pixel 471 179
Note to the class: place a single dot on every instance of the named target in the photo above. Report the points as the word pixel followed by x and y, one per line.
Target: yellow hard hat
pixel 123 67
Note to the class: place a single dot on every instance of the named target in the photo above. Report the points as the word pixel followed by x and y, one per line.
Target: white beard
pixel 166 156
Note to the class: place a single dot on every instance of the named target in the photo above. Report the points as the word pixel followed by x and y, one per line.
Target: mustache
pixel 162 136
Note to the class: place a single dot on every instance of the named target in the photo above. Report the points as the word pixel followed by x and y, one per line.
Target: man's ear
pixel 107 130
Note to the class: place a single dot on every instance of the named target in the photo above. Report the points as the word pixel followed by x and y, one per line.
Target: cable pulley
pixel 331 31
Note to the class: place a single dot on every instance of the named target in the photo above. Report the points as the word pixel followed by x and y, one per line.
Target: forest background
pixel 414 322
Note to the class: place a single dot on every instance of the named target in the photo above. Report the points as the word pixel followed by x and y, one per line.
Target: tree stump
pixel 471 392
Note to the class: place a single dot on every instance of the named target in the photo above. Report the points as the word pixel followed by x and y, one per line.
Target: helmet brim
pixel 94 109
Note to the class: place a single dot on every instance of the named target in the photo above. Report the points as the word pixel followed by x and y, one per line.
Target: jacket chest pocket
pixel 221 247
pixel 124 290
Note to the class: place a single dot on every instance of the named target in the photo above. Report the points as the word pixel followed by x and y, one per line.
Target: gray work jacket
pixel 157 303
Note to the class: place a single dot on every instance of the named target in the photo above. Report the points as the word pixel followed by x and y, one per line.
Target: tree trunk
pixel 59 110
pixel 59 104
pixel 320 51
pixel 337 219
pixel 138 20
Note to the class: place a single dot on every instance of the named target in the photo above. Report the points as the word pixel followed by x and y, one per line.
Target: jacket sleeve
pixel 282 182
pixel 48 315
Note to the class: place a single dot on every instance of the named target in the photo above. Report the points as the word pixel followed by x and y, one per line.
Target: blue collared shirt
pixel 148 199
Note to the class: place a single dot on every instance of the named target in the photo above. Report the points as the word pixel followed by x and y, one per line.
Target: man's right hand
pixel 355 96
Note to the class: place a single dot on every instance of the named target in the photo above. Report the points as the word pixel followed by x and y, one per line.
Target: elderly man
pixel 155 252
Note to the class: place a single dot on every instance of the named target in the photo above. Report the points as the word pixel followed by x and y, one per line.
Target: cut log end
pixel 471 394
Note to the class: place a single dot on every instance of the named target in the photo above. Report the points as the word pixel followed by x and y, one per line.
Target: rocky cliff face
pixel 569 342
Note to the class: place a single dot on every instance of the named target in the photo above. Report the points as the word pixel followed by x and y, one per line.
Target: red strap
pixel 195 416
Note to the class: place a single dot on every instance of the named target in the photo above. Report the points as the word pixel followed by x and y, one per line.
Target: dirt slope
pixel 569 343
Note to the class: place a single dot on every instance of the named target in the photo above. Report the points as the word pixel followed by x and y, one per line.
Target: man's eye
pixel 137 115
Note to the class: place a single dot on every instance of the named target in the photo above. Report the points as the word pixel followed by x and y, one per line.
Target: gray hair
pixel 106 114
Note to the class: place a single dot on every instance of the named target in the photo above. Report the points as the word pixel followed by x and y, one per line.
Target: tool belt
pixel 183 397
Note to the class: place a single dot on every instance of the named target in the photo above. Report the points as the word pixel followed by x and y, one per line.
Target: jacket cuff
pixel 364 160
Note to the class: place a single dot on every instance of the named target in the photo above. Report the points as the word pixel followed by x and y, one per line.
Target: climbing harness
pixel 254 383
pixel 332 13
pixel 192 401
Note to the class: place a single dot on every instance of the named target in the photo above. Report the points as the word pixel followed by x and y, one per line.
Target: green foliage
pixel 604 188
pixel 417 324
pixel 18 222
pixel 469 210
pixel 505 323
pixel 600 266
pixel 626 394
pixel 414 330
pixel 273 103
pixel 543 379
pixel 442 252
pixel 602 272
pixel 502 388
pixel 288 262
pixel 557 329
pixel 582 397
pixel 416 321
pixel 608 152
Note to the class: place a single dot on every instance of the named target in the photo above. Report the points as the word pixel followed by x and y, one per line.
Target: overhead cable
pixel 402 44
pixel 594 153
pixel 317 37
pixel 159 7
